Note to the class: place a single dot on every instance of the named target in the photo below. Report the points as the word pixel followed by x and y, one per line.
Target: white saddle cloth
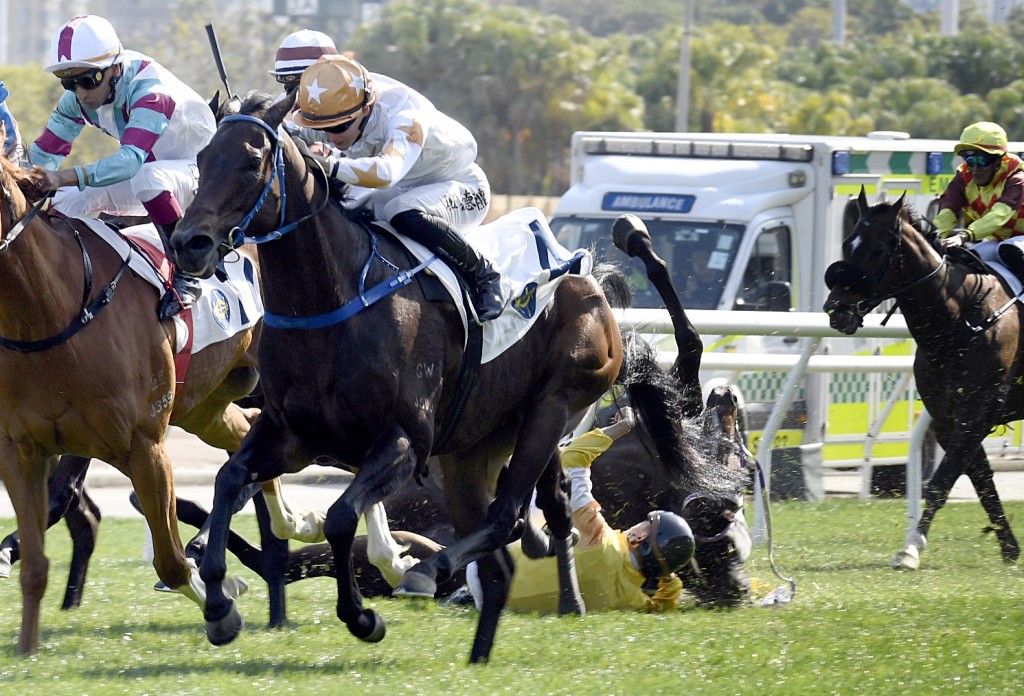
pixel 532 263
pixel 225 308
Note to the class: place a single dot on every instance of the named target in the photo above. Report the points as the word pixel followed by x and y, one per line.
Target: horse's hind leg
pixel 83 521
pixel 980 473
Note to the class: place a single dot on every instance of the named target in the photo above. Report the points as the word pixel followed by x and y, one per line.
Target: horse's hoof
pixel 415 584
pixel 629 233
pixel 227 629
pixel 1011 552
pixel 5 563
pixel 907 559
pixel 369 627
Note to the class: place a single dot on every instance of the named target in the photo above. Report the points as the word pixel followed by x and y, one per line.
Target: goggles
pixel 340 128
pixel 88 80
pixel 981 160
pixel 289 79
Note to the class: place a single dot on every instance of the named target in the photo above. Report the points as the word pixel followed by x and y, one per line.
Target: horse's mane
pixel 20 177
pixel 255 102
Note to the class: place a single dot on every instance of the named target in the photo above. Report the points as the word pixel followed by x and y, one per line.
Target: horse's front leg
pixel 262 451
pixel 65 488
pixel 25 481
pixel 389 464
pixel 960 446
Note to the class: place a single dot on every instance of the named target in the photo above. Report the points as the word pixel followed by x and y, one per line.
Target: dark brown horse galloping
pixel 373 392
pixel 968 362
pixel 96 378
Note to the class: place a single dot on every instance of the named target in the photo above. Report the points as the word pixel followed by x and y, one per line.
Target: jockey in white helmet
pixel 298 51
pixel 160 122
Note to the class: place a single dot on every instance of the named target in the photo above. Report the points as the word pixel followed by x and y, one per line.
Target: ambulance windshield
pixel 699 256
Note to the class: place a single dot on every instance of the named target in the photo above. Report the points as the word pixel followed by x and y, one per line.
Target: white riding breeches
pixel 179 177
pixel 463 201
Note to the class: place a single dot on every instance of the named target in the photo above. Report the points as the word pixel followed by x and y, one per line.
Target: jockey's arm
pixel 990 222
pixel 394 161
pixel 65 124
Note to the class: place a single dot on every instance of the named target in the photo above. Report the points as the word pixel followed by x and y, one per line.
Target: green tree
pixel 522 82
pixel 924 107
pixel 34 94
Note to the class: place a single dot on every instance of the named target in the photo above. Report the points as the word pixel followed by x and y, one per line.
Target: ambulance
pixel 750 222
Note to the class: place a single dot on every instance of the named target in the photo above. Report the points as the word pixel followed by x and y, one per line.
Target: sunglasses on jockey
pixel 87 80
pixel 981 159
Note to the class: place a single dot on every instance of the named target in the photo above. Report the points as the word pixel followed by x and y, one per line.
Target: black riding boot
pixel 186 289
pixel 1013 258
pixel 441 238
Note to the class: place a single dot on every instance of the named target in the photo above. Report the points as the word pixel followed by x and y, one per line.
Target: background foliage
pixel 524 75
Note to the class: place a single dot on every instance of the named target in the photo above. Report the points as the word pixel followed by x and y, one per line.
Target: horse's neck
pixel 930 307
pixel 40 282
pixel 316 267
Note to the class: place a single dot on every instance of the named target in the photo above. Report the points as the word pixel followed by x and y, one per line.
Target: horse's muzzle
pixel 196 252
pixel 842 317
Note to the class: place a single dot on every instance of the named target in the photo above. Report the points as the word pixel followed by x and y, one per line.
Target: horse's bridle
pixel 237 236
pixel 871 280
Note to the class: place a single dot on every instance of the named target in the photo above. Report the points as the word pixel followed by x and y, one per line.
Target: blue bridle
pixel 237 236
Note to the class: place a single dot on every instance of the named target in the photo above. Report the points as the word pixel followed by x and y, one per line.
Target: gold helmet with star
pixel 332 90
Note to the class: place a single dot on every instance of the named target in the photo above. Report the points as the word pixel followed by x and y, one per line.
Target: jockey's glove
pixel 313 161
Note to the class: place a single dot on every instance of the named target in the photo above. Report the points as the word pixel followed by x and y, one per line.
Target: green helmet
pixel 985 136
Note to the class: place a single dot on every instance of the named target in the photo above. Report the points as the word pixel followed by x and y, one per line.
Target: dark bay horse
pixel 968 333
pixel 373 392
pixel 86 368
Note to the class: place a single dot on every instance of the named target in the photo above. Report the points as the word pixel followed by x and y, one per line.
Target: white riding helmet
pixel 301 49
pixel 86 41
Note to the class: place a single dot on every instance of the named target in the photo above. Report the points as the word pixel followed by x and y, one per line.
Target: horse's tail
pixel 656 399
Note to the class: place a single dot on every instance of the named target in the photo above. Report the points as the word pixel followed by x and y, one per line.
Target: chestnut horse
pixel 968 361
pixel 374 392
pixel 90 370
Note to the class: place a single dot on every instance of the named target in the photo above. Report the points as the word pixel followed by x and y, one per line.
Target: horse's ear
pixel 276 113
pixel 851 214
pixel 898 205
pixel 862 201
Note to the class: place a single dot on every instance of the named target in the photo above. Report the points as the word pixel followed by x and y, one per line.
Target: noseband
pixel 237 236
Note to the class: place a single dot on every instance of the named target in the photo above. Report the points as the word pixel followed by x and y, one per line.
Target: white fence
pixel 811 326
